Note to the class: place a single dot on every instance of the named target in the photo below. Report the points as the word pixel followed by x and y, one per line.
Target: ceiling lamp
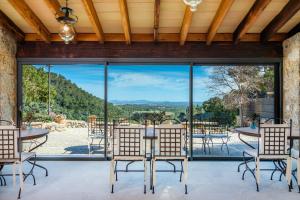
pixel 67 20
pixel 193 4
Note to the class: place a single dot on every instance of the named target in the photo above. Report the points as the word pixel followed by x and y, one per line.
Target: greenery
pixel 65 97
pixel 68 100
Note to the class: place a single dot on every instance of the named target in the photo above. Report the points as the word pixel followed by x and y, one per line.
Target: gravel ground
pixel 74 141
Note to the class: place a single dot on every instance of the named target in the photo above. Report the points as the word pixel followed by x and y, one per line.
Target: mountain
pixel 66 97
pixel 153 103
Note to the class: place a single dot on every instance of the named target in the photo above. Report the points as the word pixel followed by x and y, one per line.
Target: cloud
pixel 140 80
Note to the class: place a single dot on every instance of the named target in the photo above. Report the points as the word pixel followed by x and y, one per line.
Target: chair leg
pixel 181 171
pixel 185 174
pixel 153 175
pixel 21 179
pixel 145 175
pixel 288 172
pixel 112 175
pixel 256 175
pixel 116 170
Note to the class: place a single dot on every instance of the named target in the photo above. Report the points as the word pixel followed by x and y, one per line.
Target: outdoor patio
pixel 89 180
pixel 149 99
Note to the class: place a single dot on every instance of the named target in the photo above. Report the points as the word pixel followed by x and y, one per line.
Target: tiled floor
pixel 89 181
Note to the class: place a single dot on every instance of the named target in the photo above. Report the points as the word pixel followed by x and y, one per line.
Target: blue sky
pixel 139 82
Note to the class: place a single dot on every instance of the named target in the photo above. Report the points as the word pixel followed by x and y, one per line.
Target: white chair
pixel 272 145
pixel 172 146
pixel 127 145
pixel 11 154
pixel 95 132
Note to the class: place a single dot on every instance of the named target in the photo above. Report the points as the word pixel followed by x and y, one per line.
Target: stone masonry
pixel 291 79
pixel 8 77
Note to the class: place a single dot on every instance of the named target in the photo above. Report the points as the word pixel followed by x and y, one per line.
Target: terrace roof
pixel 156 20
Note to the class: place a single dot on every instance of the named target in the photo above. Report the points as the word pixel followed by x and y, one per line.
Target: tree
pixel 238 85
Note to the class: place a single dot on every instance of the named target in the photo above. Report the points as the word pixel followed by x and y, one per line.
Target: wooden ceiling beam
pixel 11 26
pixel 125 20
pixel 163 37
pixel 290 9
pixel 218 19
pixel 24 10
pixel 256 10
pixel 92 14
pixel 156 19
pixel 294 31
pixel 186 23
pixel 53 5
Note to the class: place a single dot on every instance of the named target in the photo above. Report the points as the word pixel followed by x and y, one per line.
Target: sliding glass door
pixel 62 98
pixel 70 100
pixel 226 97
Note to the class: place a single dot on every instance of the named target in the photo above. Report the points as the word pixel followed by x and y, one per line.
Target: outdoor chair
pixel 199 133
pixel 172 146
pixel 127 146
pixel 273 145
pixel 218 132
pixel 11 154
pixel 95 132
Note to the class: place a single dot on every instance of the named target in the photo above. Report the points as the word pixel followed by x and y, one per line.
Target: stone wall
pixel 8 78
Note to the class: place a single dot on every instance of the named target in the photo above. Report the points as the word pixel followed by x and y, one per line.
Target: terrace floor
pixel 89 180
pixel 74 141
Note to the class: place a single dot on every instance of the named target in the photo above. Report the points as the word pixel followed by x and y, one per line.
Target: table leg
pixel 37 146
pixel 246 143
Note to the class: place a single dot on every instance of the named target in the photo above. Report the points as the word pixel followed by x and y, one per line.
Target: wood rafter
pixel 92 14
pixel 163 37
pixel 24 10
pixel 53 5
pixel 294 31
pixel 256 10
pixel 11 26
pixel 186 23
pixel 218 19
pixel 156 19
pixel 290 9
pixel 125 20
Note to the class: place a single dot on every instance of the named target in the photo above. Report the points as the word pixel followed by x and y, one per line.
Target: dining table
pixel 33 135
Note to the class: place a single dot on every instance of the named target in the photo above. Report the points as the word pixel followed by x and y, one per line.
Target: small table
pixel 33 134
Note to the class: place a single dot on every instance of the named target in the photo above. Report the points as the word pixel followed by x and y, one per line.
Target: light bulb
pixel 67 33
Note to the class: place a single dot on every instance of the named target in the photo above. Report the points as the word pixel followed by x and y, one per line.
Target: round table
pixel 33 134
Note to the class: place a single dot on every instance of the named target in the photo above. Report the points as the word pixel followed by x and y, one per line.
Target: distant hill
pixel 154 103
pixel 66 97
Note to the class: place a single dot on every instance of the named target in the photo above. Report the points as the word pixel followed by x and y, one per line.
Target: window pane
pixel 75 93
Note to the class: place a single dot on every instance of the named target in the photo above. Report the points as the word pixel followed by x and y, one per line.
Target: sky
pixel 140 82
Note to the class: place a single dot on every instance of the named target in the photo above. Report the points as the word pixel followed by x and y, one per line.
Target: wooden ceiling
pixel 156 20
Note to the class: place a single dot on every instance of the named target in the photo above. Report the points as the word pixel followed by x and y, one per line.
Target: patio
pixel 209 180
pixel 157 82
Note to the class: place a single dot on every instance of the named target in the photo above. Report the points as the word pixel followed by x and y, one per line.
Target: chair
pixel 217 131
pixel 199 132
pixel 272 145
pixel 95 131
pixel 172 146
pixel 127 145
pixel 10 153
